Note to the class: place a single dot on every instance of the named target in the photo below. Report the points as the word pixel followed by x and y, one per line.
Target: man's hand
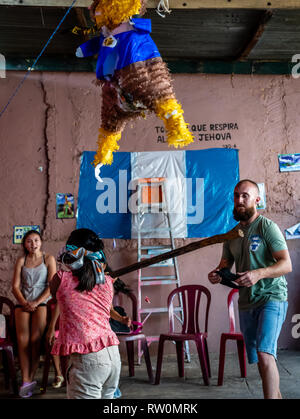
pixel 248 278
pixel 213 277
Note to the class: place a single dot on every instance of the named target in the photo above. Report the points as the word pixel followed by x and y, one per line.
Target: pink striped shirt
pixel 84 317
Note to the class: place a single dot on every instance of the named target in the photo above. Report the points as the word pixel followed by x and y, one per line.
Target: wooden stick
pixel 220 238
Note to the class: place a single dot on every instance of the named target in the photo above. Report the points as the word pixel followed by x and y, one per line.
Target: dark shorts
pixel 40 305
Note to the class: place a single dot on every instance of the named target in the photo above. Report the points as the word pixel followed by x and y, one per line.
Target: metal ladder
pixel 152 202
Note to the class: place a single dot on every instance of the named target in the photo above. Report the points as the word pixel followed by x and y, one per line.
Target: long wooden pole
pixel 220 238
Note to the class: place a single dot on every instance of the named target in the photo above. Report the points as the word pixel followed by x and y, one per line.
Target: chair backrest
pixel 230 306
pixel 9 319
pixel 10 316
pixel 190 297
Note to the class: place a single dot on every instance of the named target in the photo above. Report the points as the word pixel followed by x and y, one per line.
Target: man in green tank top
pixel 261 260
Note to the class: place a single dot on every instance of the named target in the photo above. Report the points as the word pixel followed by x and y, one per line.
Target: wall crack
pixel 48 108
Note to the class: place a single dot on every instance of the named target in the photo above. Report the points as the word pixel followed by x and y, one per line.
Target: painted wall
pixel 55 117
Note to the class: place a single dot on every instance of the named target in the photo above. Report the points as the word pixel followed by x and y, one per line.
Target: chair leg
pixel 46 369
pixel 180 358
pixel 5 369
pixel 221 361
pixel 159 359
pixel 130 357
pixel 242 357
pixel 147 359
pixel 202 359
pixel 11 367
pixel 207 357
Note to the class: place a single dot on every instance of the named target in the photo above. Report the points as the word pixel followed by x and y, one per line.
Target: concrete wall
pixel 55 117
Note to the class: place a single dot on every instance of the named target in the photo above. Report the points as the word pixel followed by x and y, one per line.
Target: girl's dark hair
pixel 86 238
pixel 25 237
pixel 119 285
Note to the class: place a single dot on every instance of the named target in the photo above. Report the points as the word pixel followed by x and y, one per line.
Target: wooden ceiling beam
pixel 173 4
pixel 256 36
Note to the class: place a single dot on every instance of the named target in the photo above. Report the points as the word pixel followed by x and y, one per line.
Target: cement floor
pixel 191 386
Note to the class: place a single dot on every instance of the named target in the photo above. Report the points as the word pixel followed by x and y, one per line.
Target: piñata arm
pixel 89 48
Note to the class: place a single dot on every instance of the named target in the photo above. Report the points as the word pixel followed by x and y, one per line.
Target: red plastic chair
pixel 191 296
pixel 232 335
pixel 7 346
pixel 48 357
pixel 134 335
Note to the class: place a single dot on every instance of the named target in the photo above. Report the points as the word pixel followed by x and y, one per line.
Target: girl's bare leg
pixel 38 326
pixel 22 319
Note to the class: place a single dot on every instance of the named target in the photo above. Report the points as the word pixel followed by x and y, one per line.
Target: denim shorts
pixel 261 328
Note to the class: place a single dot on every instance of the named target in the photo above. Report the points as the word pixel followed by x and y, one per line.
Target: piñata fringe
pixel 171 113
pixel 107 144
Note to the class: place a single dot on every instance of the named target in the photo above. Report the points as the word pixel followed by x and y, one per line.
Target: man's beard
pixel 245 215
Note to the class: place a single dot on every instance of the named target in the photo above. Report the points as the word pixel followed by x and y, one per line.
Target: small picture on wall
pixel 293 232
pixel 20 231
pixel 289 162
pixel 262 193
pixel 64 205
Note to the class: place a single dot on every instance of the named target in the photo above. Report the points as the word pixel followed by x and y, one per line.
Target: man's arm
pixel 282 266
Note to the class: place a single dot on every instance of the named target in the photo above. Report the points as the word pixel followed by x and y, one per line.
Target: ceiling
pixel 197 34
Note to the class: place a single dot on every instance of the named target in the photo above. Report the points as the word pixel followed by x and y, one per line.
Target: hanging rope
pixel 163 7
pixel 36 60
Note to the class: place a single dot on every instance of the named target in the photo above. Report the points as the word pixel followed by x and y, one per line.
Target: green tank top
pixel 254 251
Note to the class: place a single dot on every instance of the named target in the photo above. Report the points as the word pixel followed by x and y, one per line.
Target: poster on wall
pixel 199 192
pixel 289 162
pixel 64 205
pixel 21 230
pixel 262 193
pixel 293 232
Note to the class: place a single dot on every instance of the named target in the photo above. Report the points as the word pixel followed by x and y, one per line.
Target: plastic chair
pixel 134 335
pixel 232 335
pixel 7 346
pixel 191 296
pixel 48 357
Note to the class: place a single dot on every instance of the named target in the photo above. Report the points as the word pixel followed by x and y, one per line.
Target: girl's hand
pixel 28 307
pixel 50 336
pixel 31 305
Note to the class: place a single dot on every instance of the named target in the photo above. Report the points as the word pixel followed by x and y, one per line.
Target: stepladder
pixel 154 237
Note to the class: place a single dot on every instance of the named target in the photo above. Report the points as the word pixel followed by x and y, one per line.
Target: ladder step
pixel 161 246
pixel 158 277
pixel 162 264
pixel 151 256
pixel 161 230
pixel 152 338
pixel 162 282
pixel 158 310
pixel 151 205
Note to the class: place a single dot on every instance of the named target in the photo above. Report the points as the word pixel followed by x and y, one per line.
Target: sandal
pixel 26 390
pixel 58 382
